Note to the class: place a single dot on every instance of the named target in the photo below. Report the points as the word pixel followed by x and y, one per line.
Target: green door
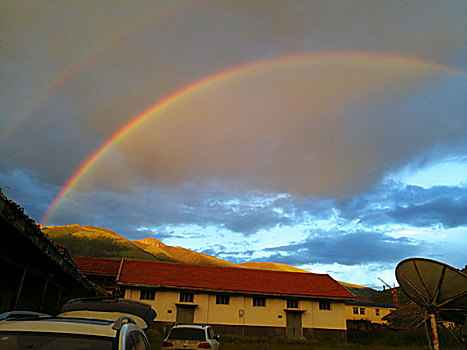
pixel 185 315
pixel 294 325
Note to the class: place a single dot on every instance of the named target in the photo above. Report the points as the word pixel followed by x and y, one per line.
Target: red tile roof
pixel 96 266
pixel 243 280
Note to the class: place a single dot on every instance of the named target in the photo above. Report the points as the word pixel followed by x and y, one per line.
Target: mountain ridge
pixel 99 242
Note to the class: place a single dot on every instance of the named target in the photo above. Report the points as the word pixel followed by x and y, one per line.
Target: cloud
pixel 291 147
pixel 24 188
pixel 233 255
pixel 306 130
pixel 396 203
pixel 345 248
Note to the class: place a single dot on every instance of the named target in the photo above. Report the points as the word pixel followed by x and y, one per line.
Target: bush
pixel 415 337
pixel 154 337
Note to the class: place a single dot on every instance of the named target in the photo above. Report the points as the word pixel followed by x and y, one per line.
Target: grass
pixel 379 340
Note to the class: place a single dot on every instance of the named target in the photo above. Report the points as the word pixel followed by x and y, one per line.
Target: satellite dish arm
pixel 385 283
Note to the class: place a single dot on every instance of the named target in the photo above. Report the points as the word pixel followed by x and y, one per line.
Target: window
pixel 186 297
pixel 259 301
pixel 135 341
pixel 147 294
pixel 355 310
pixel 222 299
pixel 377 312
pixel 32 340
pixel 292 304
pixel 324 305
pixel 187 334
pixel 210 333
pixel 362 311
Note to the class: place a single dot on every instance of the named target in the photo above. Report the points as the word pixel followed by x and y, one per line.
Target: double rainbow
pixel 313 59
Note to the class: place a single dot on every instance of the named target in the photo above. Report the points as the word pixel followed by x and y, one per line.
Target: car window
pixel 129 343
pixel 140 343
pixel 187 334
pixel 210 333
pixel 52 341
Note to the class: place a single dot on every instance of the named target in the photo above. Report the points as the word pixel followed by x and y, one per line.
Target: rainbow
pixel 322 58
pixel 72 70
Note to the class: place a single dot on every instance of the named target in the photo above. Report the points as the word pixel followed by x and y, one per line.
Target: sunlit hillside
pixel 96 242
pixel 271 266
pixel 180 254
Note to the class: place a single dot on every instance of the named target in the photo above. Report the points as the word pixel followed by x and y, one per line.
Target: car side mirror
pixel 217 337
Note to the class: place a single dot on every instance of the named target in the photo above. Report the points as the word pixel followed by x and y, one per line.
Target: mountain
pixel 361 292
pixel 179 254
pixel 271 266
pixel 98 242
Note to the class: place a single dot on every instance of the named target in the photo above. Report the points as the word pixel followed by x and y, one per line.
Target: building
pixel 367 311
pixel 102 272
pixel 37 274
pixel 234 300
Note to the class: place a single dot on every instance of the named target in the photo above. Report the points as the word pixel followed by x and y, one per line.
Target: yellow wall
pixel 370 313
pixel 240 310
pixel 264 315
pixel 329 319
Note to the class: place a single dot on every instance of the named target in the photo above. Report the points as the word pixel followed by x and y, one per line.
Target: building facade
pixel 367 311
pixel 237 301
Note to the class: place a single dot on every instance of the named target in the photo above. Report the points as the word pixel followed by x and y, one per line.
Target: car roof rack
pixel 112 304
pixel 119 322
pixel 21 315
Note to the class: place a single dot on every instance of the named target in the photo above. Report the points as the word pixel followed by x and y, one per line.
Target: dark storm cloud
pixel 198 39
pixel 346 248
pixel 396 203
pixel 24 188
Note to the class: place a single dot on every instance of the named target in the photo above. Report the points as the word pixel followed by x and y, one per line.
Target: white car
pixel 191 337
pixel 111 330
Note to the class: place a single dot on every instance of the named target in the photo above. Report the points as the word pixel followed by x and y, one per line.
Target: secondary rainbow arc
pixel 72 70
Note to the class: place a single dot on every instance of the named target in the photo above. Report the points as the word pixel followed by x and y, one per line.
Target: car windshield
pixel 187 334
pixel 52 341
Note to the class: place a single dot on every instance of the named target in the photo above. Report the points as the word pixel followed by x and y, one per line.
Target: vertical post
pixel 434 329
pixel 20 287
pixel 44 293
pixel 59 299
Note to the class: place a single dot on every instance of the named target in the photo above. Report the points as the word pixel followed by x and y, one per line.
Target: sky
pixel 328 135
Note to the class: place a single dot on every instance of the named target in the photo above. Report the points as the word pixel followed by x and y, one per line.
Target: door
pixel 185 315
pixel 294 325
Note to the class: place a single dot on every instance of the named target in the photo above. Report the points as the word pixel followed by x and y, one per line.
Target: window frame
pixel 292 304
pixel 259 301
pixel 324 305
pixel 362 311
pixel 147 294
pixel 222 299
pixel 186 297
pixel 355 310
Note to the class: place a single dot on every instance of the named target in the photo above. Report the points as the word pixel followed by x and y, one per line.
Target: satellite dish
pixel 438 288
